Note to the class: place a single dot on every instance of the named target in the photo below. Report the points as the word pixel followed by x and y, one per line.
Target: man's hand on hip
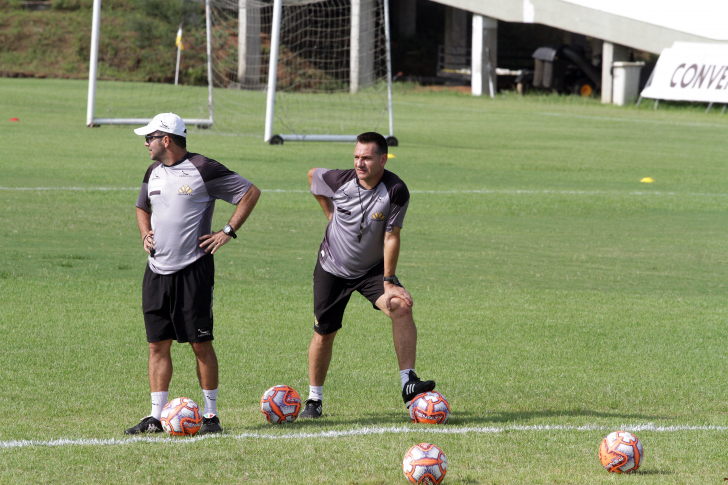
pixel 148 242
pixel 212 242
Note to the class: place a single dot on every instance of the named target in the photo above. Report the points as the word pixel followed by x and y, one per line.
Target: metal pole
pixel 176 71
pixel 179 54
pixel 355 47
pixel 93 64
pixel 476 57
pixel 208 25
pixel 389 66
pixel 272 70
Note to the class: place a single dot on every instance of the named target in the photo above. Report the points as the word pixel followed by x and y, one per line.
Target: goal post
pixel 329 79
pixel 332 79
pixel 183 99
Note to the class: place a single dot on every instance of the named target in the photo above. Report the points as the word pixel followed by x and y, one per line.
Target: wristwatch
pixel 393 279
pixel 228 229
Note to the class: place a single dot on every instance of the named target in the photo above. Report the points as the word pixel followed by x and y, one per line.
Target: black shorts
pixel 179 305
pixel 331 295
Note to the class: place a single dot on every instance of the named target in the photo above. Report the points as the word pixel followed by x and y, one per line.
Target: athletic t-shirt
pixel 342 253
pixel 181 199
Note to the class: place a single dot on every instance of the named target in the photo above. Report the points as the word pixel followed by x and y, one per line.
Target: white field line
pixel 426 192
pixel 366 431
pixel 615 119
pixel 635 120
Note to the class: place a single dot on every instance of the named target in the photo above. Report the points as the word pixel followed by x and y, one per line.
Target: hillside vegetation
pixel 137 41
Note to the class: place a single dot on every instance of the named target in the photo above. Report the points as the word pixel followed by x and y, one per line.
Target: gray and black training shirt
pixel 181 199
pixel 383 207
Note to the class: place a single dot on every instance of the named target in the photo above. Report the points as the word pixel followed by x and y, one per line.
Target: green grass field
pixel 557 298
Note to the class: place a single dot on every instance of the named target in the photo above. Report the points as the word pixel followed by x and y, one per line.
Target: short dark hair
pixel 373 137
pixel 180 141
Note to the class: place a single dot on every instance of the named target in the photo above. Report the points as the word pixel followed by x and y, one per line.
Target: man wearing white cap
pixel 182 187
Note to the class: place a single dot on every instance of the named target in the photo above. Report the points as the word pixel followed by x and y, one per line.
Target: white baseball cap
pixel 166 122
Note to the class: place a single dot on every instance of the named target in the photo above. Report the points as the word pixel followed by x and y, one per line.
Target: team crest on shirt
pixel 185 190
pixel 378 216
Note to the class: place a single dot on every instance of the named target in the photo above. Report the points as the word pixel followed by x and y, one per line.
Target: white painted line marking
pixel 366 431
pixel 427 192
pixel 635 120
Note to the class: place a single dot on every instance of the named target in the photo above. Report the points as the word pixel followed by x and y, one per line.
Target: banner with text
pixel 690 72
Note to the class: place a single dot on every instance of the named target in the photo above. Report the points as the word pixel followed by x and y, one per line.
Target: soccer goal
pixel 331 77
pixel 118 92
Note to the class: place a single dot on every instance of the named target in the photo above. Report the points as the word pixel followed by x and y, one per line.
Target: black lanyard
pixel 364 212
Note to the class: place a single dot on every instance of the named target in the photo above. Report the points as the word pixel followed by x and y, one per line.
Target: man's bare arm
pixel 326 203
pixel 212 242
pixel 391 256
pixel 144 220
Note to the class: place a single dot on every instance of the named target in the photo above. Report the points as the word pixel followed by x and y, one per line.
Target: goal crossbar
pixel 205 122
pixel 357 20
pixel 341 138
pixel 92 121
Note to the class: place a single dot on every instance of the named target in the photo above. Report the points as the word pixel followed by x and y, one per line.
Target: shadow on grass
pixel 653 472
pixel 331 421
pixel 464 418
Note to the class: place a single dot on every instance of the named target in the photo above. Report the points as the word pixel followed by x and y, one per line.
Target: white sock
pixel 404 376
pixel 316 393
pixel 159 399
pixel 210 401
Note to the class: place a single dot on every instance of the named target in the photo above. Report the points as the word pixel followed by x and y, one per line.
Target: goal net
pixel 332 76
pixel 136 71
pixel 331 79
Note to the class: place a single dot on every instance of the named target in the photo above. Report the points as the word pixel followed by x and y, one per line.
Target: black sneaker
pixel 210 424
pixel 150 424
pixel 414 387
pixel 312 410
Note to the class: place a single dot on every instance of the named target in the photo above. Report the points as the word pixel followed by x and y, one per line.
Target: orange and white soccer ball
pixel 181 417
pixel 424 463
pixel 280 404
pixel 430 408
pixel 621 452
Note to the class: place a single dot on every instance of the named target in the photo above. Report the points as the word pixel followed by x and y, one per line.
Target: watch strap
pixel 228 229
pixel 393 279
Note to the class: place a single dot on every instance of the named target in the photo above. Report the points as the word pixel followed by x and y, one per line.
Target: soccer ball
pixel 430 408
pixel 181 417
pixel 424 463
pixel 621 452
pixel 280 404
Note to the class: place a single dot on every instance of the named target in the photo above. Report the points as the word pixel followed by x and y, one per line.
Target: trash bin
pixel 626 82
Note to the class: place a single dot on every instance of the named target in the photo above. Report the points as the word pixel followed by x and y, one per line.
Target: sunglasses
pixel 149 138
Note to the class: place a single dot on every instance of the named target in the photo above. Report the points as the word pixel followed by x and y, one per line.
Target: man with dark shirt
pixel 174 213
pixel 365 207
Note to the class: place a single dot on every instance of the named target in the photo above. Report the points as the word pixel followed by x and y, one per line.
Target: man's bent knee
pixel 399 309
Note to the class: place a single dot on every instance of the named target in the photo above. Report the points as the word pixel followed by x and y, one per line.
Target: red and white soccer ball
pixel 181 417
pixel 429 408
pixel 424 463
pixel 621 452
pixel 280 404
